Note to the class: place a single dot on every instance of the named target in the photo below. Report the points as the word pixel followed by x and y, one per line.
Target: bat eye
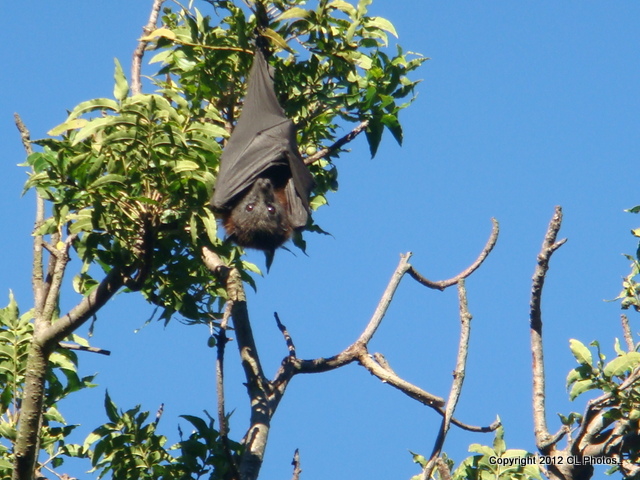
pixel 249 207
pixel 271 208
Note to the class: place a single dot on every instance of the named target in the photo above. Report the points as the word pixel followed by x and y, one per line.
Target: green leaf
pixel 483 449
pixel 374 135
pixel 345 7
pixel 121 88
pixel 210 226
pixel 277 39
pixel 393 124
pixel 362 7
pixel 160 32
pixel 93 105
pixel 622 364
pixel 579 373
pixel 580 387
pixel 383 24
pixel 499 445
pixel 580 352
pixel 185 166
pixel 106 179
pixel 91 128
pixel 295 12
pixel 419 459
pixel 111 409
pixel 72 124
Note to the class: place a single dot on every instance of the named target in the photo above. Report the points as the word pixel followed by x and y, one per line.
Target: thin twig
pixel 287 338
pixel 548 247
pixel 362 126
pixel 37 271
pixel 136 63
pixel 82 348
pixel 442 284
pixel 628 336
pixel 385 301
pixel 221 342
pixel 458 380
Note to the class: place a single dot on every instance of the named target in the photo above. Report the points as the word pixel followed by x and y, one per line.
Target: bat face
pixel 260 219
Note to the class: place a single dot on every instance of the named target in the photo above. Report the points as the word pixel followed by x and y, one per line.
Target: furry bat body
pixel 263 184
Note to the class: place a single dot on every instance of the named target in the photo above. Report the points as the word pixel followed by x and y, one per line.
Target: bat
pixel 263 185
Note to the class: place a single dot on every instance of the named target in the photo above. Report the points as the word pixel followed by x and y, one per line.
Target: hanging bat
pixel 263 185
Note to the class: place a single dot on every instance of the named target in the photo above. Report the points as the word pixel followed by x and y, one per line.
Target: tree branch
pixel 458 380
pixel 296 466
pixel 628 336
pixel 341 142
pixel 548 247
pixel 87 308
pixel 136 64
pixel 83 348
pixel 442 284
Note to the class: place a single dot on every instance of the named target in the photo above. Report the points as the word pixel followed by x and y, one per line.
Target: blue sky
pixel 523 106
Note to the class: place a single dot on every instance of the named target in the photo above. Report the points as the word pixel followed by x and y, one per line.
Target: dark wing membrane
pixel 263 137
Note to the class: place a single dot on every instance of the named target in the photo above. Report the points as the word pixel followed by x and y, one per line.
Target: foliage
pixel 491 463
pixel 130 177
pixel 624 404
pixel 16 332
pixel 128 448
pixel 127 183
pixel 630 294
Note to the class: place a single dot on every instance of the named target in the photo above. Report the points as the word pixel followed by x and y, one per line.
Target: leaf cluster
pixel 630 294
pixel 623 405
pixel 128 179
pixel 16 333
pixel 487 465
pixel 129 447
pixel 494 462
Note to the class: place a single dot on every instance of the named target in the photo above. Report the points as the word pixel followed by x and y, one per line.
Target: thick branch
pixel 86 309
pixel 548 247
pixel 442 284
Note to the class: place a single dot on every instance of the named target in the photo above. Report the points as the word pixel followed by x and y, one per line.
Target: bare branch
pixel 287 338
pixel 74 346
pixel 548 247
pixel 341 142
pixel 296 465
pixel 37 273
pixel 385 301
pixel 442 284
pixel 221 342
pixel 136 64
pixel 394 380
pixel 25 136
pixel 628 336
pixel 458 380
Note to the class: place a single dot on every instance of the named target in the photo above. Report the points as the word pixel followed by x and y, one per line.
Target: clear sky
pixel 524 106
